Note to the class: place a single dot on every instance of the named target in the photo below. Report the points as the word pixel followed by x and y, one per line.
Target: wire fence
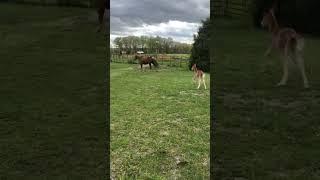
pixel 231 7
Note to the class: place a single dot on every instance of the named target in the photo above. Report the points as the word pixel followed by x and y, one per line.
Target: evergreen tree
pixel 200 48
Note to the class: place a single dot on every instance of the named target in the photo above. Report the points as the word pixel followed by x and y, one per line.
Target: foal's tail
pixel 299 44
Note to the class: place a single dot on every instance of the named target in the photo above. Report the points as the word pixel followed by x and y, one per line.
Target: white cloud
pixel 166 18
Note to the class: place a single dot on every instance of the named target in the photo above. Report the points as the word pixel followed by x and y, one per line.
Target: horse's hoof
pixel 280 84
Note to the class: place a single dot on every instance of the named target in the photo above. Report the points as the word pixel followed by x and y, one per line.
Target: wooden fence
pixel 163 59
pixel 231 7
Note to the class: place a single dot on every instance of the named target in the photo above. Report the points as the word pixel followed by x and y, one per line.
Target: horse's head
pixel 154 61
pixel 268 18
pixel 194 67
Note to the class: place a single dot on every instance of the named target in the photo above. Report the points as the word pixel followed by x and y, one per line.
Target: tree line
pixel 151 45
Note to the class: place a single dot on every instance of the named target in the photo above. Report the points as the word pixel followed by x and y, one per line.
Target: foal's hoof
pixel 280 84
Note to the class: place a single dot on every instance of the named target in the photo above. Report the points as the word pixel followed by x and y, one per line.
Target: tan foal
pixel 289 43
pixel 198 76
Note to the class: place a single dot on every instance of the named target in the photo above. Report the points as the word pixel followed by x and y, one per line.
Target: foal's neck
pixel 274 26
pixel 195 69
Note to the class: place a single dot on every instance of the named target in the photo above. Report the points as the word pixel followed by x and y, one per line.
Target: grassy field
pixel 52 110
pixel 159 124
pixel 263 131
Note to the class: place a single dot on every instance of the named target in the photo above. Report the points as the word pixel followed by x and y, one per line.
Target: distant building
pixel 140 52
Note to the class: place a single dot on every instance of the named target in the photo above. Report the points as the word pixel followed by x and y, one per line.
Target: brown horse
pixel 146 60
pixel 102 6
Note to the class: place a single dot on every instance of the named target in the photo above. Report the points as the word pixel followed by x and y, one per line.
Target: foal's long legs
pixel 284 78
pixel 199 83
pixel 204 82
pixel 194 78
pixel 300 62
pixel 268 51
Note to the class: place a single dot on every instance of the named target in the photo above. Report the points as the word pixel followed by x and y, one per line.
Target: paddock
pixel 160 124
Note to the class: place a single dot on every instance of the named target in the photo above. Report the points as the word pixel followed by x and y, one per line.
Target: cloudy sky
pixel 178 19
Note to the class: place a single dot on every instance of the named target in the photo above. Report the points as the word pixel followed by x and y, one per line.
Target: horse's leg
pixel 300 62
pixel 204 82
pixel 285 64
pixel 194 78
pixel 150 65
pixel 268 51
pixel 199 83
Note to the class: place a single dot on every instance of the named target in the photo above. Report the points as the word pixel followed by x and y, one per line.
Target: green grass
pixel 263 131
pixel 158 118
pixel 52 110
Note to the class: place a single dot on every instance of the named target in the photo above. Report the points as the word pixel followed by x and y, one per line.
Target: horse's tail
pixel 300 43
pixel 296 45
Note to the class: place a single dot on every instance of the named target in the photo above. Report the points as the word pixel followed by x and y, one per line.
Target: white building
pixel 140 52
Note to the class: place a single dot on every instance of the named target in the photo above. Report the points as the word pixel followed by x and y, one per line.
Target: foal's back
pixel 286 35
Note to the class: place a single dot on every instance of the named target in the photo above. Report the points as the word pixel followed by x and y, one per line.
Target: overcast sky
pixel 178 19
